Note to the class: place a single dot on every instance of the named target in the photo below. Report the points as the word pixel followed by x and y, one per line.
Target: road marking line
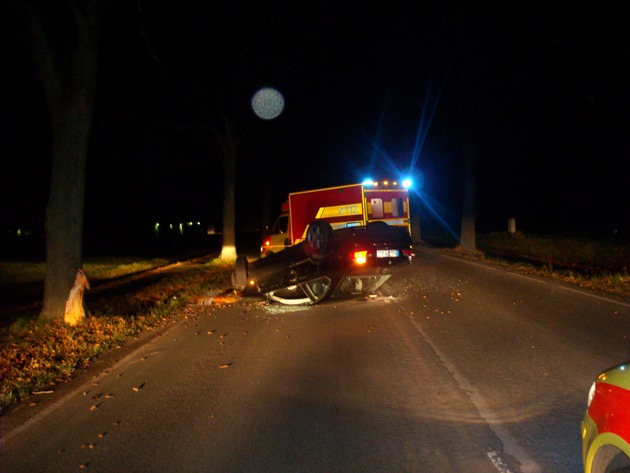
pixel 496 460
pixel 510 444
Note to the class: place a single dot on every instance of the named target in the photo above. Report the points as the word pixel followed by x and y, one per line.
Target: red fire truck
pixel 342 206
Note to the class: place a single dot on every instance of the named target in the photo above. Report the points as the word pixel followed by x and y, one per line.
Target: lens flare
pixel 268 103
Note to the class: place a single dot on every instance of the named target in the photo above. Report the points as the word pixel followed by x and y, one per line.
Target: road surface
pixel 454 367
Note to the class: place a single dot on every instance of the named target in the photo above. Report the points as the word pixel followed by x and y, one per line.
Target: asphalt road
pixel 455 367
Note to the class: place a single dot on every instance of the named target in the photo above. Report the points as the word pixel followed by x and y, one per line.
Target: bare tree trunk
pixel 67 67
pixel 229 146
pixel 468 230
pixel 265 212
pixel 228 249
pixel 467 238
pixel 223 137
pixel 64 212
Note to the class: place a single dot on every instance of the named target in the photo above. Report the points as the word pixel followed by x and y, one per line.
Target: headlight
pixel 591 395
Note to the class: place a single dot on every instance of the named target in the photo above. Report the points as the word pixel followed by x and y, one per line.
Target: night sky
pixel 369 90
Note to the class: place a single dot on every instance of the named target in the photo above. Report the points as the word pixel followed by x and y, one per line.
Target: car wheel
pixel 239 276
pixel 610 459
pixel 308 293
pixel 317 237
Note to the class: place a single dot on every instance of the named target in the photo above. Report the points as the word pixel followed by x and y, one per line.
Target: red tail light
pixel 265 245
pixel 359 257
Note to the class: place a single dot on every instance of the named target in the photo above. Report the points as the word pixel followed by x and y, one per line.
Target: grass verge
pixel 20 272
pixel 35 356
pixel 601 265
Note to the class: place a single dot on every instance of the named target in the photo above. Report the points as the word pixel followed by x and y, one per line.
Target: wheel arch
pixel 610 458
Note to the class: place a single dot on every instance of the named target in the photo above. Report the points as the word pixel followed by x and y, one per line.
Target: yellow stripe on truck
pixel 340 210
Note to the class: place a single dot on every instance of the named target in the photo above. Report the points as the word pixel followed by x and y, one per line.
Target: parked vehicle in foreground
pixel 606 423
pixel 347 261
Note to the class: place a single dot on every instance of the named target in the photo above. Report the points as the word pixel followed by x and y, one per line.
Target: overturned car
pixel 328 263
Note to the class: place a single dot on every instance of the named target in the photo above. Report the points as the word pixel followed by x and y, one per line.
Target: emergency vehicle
pixel 606 423
pixel 344 206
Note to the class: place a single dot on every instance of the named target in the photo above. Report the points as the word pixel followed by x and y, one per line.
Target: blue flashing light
pixel 407 183
pixel 368 182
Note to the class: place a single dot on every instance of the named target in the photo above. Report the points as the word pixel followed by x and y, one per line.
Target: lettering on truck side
pixel 340 210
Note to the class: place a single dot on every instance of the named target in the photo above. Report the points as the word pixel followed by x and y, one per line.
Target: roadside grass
pixel 20 272
pixel 601 265
pixel 36 356
pixel 586 255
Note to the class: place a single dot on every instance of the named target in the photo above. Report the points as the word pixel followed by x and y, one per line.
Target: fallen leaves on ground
pixel 34 356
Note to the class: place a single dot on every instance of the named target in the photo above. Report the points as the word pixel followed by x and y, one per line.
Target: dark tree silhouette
pixel 63 41
pixel 467 24
pixel 467 238
pixel 227 141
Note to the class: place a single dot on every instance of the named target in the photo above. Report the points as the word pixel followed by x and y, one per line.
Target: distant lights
pixel 180 227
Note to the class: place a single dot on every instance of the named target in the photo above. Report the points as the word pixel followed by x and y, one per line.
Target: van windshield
pixel 281 225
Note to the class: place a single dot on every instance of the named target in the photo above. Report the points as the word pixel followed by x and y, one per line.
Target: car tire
pixel 317 239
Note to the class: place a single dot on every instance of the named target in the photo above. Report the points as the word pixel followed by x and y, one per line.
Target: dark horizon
pixel 367 90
